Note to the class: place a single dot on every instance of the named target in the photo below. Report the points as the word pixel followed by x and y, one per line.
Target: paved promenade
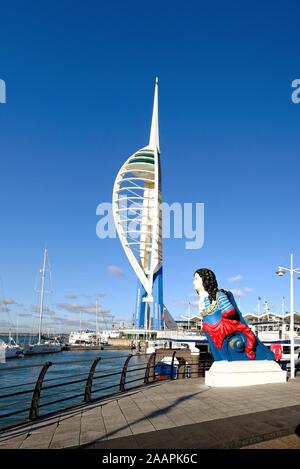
pixel 177 414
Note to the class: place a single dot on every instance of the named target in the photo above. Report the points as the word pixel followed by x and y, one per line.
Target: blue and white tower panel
pixel 138 218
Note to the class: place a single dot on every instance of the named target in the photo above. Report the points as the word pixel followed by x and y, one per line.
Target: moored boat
pixel 10 350
pixel 42 346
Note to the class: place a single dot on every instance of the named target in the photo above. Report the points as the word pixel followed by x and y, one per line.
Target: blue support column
pixel 156 307
pixel 140 306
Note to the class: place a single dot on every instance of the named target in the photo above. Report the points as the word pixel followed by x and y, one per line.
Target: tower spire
pixel 154 133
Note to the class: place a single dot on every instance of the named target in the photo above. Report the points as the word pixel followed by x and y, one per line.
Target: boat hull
pixel 42 349
pixel 13 352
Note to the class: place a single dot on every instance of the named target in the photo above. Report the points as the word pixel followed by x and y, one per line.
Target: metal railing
pixel 55 389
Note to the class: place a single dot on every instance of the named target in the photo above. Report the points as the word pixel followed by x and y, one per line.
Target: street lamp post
pixel 258 306
pixel 283 306
pixel 280 272
pixel 188 317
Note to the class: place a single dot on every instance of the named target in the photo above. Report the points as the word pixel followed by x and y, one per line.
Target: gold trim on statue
pixel 208 310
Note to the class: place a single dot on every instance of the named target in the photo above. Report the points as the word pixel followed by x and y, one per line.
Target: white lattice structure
pixel 138 218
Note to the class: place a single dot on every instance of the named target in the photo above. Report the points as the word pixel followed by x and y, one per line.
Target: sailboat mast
pixel 97 321
pixel 42 293
pixel 17 335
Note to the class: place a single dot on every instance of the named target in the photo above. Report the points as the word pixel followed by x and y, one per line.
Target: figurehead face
pixel 205 283
pixel 198 283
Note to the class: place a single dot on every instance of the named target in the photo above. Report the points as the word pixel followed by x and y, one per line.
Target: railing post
pixel 89 382
pixel 35 401
pixel 201 369
pixel 172 365
pixel 123 375
pixel 147 372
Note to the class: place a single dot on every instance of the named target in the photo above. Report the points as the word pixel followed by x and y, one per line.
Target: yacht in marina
pixel 10 349
pixel 82 337
pixel 42 346
pixel 88 337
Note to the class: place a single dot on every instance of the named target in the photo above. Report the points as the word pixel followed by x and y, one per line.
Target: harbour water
pixel 70 368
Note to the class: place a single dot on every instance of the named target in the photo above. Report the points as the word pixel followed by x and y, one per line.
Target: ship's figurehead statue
pixel 228 334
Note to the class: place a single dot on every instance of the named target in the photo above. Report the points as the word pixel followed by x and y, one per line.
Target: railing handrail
pixel 97 382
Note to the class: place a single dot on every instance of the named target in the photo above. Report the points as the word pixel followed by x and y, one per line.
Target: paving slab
pixel 37 440
pixel 135 417
pixel 92 426
pixel 114 420
pixel 13 443
pixel 67 433
pixel 177 416
pixel 155 414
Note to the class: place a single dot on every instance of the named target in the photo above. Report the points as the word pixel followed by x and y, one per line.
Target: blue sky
pixel 80 79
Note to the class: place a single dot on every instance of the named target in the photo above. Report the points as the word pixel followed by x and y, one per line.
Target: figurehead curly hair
pixel 210 283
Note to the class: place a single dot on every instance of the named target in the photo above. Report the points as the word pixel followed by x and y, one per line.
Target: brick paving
pixel 285 442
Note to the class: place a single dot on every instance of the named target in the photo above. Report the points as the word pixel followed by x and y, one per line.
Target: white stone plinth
pixel 244 373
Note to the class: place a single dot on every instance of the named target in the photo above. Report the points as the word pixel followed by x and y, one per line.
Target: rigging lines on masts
pixel 43 275
pixel 97 321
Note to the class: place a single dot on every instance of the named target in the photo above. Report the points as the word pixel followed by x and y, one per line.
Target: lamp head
pixel 280 272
